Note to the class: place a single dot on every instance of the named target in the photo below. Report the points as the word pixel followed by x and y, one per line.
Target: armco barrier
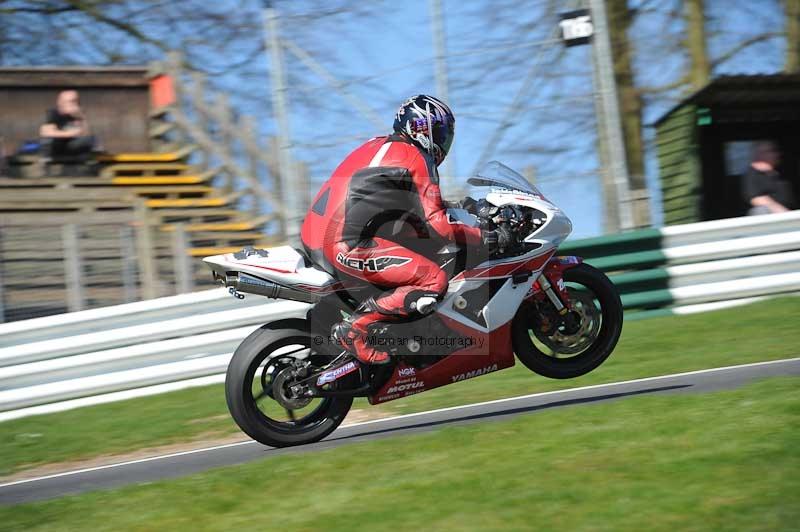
pixel 58 362
pixel 699 263
pixel 179 341
pixel 129 314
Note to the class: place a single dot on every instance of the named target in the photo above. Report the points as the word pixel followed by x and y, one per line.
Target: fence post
pixel 127 252
pixel 224 115
pixel 302 184
pixel 2 295
pixel 76 299
pixel 196 99
pixel 250 143
pixel 180 256
pixel 273 149
pixel 172 66
pixel 144 252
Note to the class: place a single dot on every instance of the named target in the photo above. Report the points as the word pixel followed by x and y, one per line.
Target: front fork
pixel 555 298
pixel 551 282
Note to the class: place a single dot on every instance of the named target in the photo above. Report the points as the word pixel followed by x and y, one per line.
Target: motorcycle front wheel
pixel 255 376
pixel 574 350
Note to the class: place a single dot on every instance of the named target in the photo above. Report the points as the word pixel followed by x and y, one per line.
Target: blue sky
pixel 476 111
pixel 558 112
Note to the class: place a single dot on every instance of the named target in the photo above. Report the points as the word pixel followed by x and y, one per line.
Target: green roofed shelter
pixel 704 143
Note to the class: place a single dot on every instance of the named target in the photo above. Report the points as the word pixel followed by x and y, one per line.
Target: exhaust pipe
pixel 247 284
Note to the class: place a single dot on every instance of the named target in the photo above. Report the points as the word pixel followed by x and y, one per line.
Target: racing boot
pixel 352 335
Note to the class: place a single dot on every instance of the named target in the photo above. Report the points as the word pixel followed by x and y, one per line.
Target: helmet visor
pixel 443 133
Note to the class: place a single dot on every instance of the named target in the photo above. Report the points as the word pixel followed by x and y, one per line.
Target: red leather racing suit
pixel 351 222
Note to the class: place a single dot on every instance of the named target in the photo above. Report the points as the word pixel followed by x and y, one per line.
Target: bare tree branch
pixel 755 39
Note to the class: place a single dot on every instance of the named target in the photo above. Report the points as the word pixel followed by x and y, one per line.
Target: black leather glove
pixel 498 239
pixel 470 205
pixel 486 210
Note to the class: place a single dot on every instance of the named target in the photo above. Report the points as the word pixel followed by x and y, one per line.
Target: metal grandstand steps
pixel 108 192
pixel 241 225
pixel 172 191
pixel 145 169
pixel 171 156
pixel 219 201
pixel 168 157
pixel 85 205
pixel 208 215
pixel 183 179
pixel 76 182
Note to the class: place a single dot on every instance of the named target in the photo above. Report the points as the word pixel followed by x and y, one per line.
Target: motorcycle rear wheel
pixel 565 356
pixel 252 403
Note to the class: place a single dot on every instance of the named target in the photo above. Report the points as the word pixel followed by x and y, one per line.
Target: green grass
pixel 758 332
pixel 720 461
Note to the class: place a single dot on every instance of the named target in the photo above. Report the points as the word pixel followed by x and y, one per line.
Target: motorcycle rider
pixel 350 227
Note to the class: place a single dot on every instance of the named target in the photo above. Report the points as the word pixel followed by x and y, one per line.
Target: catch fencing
pixel 89 357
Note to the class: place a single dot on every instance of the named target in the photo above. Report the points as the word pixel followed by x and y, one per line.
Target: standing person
pixel 66 127
pixel 763 187
pixel 349 225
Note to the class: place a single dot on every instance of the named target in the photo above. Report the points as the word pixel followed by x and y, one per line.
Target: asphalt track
pixel 186 463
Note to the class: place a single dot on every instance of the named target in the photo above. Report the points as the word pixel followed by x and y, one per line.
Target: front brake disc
pixel 584 336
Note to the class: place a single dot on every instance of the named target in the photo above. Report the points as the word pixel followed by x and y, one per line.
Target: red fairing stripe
pixel 266 268
pixel 322 289
pixel 506 269
pixel 562 263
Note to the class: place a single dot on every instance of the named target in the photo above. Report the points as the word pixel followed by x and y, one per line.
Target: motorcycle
pixel 289 383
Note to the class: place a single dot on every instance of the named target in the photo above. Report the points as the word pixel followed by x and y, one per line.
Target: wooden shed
pixel 704 144
pixel 114 99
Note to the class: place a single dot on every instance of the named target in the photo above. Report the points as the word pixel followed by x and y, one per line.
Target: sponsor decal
pixel 373 264
pixel 406 387
pixel 406 372
pixel 474 373
pixel 333 374
pixel 419 125
pixel 388 397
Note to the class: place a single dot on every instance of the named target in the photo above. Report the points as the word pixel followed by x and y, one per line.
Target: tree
pixel 699 65
pixel 792 35
pixel 620 18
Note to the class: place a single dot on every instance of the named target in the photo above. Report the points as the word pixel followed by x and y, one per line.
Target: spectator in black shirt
pixel 762 186
pixel 66 127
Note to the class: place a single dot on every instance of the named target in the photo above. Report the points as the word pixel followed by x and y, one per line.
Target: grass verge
pixel 757 332
pixel 718 461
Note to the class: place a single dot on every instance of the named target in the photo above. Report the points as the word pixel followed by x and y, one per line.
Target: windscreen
pixel 496 174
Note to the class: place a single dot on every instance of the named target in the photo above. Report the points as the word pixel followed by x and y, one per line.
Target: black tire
pixel 244 408
pixel 596 353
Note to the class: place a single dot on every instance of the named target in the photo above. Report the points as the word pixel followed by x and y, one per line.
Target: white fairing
pixel 282 265
pixel 497 312
pixel 556 228
pixel 506 187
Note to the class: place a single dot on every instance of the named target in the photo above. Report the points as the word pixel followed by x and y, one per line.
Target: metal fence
pixel 72 262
